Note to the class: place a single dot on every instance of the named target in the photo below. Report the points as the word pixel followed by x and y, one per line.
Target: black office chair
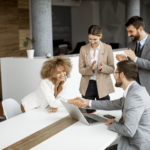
pixel 62 49
pixel 77 48
pixel 56 43
pixel 114 45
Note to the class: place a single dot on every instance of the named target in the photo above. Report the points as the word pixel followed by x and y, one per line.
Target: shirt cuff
pixel 90 103
pixel 135 59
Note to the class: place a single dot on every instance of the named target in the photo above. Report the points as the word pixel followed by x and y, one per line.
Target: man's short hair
pixel 128 68
pixel 136 21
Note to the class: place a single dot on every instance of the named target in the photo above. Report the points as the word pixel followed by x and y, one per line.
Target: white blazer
pixel 44 96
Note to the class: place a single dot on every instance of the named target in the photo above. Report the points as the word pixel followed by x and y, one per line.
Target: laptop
pixel 88 119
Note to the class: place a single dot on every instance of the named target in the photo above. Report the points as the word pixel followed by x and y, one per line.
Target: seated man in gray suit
pixel 134 125
pixel 139 50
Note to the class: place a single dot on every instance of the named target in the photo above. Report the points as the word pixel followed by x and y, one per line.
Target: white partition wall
pixel 20 76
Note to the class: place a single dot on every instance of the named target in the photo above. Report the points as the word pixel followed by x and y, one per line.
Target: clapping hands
pixel 94 65
pixel 100 66
pixel 121 57
pixel 130 54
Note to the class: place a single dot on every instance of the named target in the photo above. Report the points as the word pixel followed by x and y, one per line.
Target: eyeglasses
pixel 115 73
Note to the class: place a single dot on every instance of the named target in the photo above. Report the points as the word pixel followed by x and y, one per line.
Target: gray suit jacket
pixel 134 125
pixel 143 63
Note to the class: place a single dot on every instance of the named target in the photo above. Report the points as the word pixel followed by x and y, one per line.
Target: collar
pixel 126 90
pixel 142 42
pixel 98 48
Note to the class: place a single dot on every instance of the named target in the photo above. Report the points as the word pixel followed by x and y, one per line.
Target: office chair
pixel 11 108
pixel 77 48
pixel 114 45
pixel 63 49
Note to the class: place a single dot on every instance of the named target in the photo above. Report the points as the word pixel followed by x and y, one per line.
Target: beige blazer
pixel 103 79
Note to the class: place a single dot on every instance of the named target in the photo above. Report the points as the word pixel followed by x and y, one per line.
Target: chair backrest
pixel 63 49
pixel 63 46
pixel 78 46
pixel 11 108
pixel 114 45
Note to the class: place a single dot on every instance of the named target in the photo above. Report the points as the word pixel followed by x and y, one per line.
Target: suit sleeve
pixel 143 63
pixel 82 65
pixel 108 105
pixel 48 93
pixel 109 68
pixel 132 117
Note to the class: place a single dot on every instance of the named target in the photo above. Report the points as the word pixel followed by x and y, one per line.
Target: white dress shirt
pixel 94 59
pixel 142 42
pixel 124 94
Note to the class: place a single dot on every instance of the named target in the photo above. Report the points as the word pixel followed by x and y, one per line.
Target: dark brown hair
pixel 136 21
pixel 128 68
pixel 95 30
pixel 49 67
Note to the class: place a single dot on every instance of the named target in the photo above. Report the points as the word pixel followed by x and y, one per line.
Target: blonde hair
pixel 49 67
pixel 95 30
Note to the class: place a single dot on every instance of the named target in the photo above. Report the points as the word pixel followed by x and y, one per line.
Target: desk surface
pixel 77 136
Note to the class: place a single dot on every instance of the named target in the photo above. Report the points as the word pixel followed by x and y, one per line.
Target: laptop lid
pixel 74 112
pixel 89 119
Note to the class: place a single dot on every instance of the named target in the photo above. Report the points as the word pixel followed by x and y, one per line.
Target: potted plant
pixel 28 44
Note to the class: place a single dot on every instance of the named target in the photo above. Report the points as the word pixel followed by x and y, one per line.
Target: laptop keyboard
pixel 90 120
pixel 95 117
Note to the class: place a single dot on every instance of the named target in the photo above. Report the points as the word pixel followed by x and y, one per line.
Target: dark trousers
pixel 92 94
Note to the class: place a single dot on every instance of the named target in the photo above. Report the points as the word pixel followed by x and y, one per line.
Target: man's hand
pixel 53 109
pixel 75 102
pixel 93 65
pixel 100 66
pixel 130 54
pixel 83 101
pixel 121 57
pixel 110 121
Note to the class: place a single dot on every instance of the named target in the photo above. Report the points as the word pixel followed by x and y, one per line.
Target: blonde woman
pixel 96 63
pixel 52 87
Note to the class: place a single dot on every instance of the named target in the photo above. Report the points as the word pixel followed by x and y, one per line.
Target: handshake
pixel 79 102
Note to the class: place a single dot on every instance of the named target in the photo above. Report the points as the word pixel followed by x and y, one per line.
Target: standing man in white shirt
pixel 138 50
pixel 134 125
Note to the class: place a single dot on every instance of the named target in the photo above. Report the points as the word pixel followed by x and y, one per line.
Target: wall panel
pixel 14 28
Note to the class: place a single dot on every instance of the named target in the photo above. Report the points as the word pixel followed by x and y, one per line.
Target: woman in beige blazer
pixel 96 63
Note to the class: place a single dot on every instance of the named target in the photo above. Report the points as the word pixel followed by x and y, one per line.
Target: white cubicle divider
pixel 20 76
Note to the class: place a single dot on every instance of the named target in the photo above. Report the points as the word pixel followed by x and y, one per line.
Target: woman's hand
pixel 53 109
pixel 94 65
pixel 76 102
pixel 100 66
